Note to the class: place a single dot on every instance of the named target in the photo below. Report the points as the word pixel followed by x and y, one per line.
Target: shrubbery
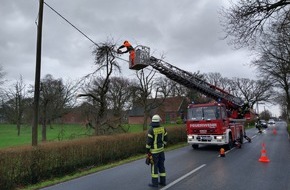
pixel 29 165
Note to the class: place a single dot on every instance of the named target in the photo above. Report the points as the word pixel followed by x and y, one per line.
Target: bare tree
pixel 245 20
pixel 147 91
pixel 119 101
pixel 280 99
pixel 167 87
pixel 97 89
pixel 217 80
pixel 273 60
pixel 15 104
pixel 252 91
pixel 55 99
pixel 119 95
pixel 2 81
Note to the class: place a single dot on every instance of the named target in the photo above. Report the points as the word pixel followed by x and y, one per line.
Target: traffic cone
pixel 274 131
pixel 263 157
pixel 222 152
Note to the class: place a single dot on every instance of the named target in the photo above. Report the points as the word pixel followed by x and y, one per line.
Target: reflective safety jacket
pixel 156 139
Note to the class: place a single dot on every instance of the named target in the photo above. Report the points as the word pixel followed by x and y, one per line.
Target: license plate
pixel 204 138
pixel 203 131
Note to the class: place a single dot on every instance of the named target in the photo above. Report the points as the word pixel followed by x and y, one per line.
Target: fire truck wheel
pixel 241 140
pixel 239 145
pixel 230 145
pixel 195 146
pixel 241 137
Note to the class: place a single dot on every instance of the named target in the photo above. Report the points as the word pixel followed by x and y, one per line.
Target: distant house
pixel 74 117
pixel 170 110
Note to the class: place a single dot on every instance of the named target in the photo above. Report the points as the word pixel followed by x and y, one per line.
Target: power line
pixel 78 29
pixel 71 24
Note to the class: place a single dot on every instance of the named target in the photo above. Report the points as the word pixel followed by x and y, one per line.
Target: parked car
pixel 271 123
pixel 264 123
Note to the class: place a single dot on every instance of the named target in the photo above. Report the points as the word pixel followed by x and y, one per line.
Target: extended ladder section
pixel 184 78
pixel 191 81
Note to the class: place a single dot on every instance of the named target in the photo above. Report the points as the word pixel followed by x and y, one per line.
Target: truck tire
pixel 230 145
pixel 195 146
pixel 241 137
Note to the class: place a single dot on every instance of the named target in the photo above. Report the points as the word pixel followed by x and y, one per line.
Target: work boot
pixel 162 181
pixel 154 182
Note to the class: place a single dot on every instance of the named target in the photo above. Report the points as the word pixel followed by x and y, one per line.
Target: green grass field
pixel 9 138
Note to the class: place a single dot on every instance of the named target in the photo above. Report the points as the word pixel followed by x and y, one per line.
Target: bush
pixel 29 165
pixel 179 120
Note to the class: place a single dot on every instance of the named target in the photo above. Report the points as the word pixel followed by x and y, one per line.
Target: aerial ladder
pixel 187 79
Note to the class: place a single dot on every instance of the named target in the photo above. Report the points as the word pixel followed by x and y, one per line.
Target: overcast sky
pixel 186 32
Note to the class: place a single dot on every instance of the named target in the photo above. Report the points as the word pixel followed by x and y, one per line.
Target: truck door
pixel 224 117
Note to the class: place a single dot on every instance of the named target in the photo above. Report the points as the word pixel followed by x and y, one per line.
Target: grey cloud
pixel 186 32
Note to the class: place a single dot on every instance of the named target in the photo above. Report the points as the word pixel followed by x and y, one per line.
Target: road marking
pixel 182 177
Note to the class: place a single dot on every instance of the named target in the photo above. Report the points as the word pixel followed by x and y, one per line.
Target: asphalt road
pixel 202 169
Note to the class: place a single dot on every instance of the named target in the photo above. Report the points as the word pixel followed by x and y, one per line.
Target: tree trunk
pixel 146 115
pixel 43 132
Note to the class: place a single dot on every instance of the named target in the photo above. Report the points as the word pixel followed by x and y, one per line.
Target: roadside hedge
pixel 28 165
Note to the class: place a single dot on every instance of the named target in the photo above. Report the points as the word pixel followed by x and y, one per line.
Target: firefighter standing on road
pixel 130 49
pixel 259 125
pixel 156 139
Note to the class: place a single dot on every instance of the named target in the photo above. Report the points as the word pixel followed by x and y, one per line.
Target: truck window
pixel 195 113
pixel 203 113
pixel 210 112
pixel 224 113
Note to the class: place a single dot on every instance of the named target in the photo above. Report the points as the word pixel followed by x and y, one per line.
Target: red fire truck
pixel 217 123
pixel 210 124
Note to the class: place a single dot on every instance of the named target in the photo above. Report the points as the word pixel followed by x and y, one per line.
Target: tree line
pixel 104 98
pixel 263 26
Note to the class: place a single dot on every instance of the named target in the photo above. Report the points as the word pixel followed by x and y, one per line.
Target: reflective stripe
pixel 149 135
pixel 157 150
pixel 154 175
pixel 163 174
pixel 152 172
pixel 155 143
pixel 148 146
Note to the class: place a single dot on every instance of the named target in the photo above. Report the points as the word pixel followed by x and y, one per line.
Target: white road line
pixel 183 177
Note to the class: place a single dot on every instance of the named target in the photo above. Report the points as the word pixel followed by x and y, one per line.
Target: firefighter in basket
pixel 130 49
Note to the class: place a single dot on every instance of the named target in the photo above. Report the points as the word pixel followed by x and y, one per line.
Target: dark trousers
pixel 158 168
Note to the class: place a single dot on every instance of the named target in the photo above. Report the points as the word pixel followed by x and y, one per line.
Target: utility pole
pixel 37 75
